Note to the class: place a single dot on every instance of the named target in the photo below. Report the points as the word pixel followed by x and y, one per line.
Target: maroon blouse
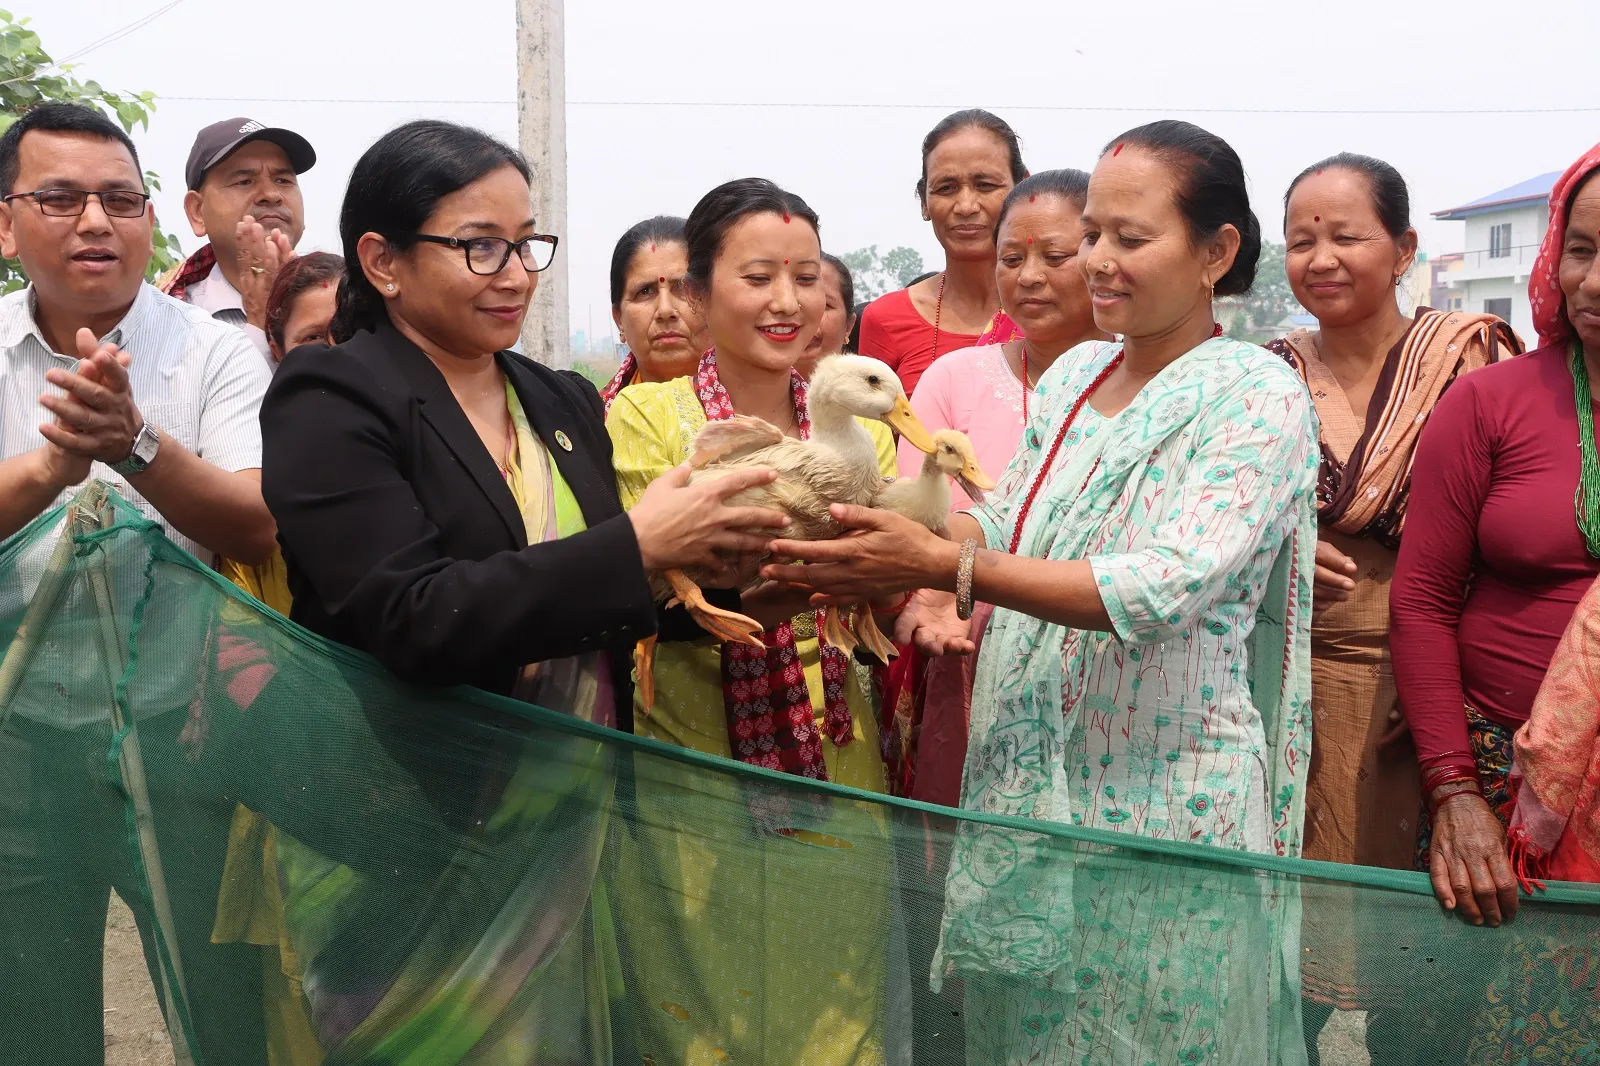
pixel 1492 565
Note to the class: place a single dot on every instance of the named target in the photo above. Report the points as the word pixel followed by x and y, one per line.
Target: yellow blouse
pixel 755 954
pixel 652 426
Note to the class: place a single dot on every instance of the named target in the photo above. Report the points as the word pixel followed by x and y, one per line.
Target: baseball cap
pixel 216 141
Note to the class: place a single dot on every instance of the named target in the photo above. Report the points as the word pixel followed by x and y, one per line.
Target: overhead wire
pixel 911 106
pixel 113 36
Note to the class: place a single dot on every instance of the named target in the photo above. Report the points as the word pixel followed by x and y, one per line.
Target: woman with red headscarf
pixel 1556 824
pixel 1503 542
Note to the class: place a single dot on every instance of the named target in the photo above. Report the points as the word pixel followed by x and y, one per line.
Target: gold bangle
pixel 969 555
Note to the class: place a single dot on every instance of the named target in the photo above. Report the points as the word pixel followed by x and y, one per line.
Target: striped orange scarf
pixel 1365 493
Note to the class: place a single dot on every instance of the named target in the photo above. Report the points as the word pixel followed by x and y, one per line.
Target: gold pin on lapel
pixel 563 440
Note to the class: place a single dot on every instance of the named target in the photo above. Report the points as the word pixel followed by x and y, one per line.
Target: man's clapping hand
pixel 96 418
pixel 262 253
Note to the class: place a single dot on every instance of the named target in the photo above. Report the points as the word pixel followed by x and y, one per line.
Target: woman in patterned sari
pixel 1375 374
pixel 1146 670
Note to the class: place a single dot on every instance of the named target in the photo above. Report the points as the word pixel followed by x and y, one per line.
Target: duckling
pixel 838 464
pixel 925 499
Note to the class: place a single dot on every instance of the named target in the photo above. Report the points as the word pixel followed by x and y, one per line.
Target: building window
pixel 1500 241
pixel 1501 309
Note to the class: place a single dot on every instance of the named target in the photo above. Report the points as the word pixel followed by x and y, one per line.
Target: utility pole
pixel 542 133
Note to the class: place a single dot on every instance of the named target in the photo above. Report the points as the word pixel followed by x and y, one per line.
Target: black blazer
pixel 403 540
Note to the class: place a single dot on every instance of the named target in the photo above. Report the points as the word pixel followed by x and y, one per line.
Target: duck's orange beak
pixel 974 482
pixel 973 474
pixel 905 422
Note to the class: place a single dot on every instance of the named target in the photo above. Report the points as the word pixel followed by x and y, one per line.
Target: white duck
pixel 837 464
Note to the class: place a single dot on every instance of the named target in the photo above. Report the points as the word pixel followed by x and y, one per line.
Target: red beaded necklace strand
pixel 1055 447
pixel 1061 435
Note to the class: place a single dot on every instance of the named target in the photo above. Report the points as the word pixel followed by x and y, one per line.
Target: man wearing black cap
pixel 244 196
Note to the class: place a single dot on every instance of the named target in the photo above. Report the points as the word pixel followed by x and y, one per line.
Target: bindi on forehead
pixel 1117 150
pixel 1032 197
pixel 786 222
pixel 652 246
pixel 1316 218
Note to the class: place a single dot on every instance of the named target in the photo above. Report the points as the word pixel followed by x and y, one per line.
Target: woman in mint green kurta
pixel 1147 668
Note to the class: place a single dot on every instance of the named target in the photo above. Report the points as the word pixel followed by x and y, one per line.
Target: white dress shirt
pixel 200 383
pixel 215 295
pixel 195 379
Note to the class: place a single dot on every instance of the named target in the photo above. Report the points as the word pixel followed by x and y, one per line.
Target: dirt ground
pixel 135 1035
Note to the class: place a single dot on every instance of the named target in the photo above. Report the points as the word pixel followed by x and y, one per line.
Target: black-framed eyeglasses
pixel 67 203
pixel 489 255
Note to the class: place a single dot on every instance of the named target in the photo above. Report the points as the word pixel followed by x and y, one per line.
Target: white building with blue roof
pixel 1503 234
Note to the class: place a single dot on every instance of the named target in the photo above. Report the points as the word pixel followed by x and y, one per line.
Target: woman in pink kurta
pixel 985 392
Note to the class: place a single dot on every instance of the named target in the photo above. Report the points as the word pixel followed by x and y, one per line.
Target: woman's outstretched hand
pixel 929 621
pixel 682 526
pixel 879 554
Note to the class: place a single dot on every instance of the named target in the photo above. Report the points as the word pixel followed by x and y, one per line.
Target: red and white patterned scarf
pixel 194 269
pixel 782 737
pixel 1544 283
pixel 624 378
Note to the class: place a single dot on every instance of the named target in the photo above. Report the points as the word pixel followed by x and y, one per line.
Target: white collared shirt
pixel 198 381
pixel 215 295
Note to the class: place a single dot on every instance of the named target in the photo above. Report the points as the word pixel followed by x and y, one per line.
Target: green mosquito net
pixel 328 865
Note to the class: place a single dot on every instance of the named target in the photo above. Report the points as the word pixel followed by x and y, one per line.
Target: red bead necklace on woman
pixel 1061 435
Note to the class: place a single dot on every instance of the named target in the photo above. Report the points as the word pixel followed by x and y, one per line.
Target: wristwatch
pixel 145 445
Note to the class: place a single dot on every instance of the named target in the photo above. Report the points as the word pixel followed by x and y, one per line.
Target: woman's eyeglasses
pixel 68 203
pixel 489 255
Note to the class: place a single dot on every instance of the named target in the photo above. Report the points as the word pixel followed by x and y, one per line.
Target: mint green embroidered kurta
pixel 1189 722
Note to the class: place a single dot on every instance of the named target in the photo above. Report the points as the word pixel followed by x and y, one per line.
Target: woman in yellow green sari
pixel 793 968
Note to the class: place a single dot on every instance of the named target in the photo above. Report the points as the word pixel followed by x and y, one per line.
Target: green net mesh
pixel 327 865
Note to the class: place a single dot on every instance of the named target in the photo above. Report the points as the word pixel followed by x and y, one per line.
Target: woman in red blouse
pixel 970 161
pixel 1497 554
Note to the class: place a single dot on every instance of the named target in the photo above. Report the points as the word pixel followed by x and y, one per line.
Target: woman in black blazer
pixel 383 454
pixel 397 464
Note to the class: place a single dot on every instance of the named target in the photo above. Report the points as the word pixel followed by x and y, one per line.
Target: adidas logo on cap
pixel 251 127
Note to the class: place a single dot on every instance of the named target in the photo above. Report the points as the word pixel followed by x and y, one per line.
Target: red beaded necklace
pixel 1050 457
pixel 1061 435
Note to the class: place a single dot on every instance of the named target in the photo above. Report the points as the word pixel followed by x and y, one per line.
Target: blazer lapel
pixel 592 483
pixel 443 412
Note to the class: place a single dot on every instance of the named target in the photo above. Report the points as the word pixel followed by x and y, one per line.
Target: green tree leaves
pixel 875 275
pixel 28 76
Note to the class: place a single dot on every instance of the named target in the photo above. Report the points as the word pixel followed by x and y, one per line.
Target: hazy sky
pixel 1066 76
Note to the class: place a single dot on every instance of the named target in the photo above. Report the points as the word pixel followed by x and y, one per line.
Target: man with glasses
pixel 244 197
pixel 101 375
